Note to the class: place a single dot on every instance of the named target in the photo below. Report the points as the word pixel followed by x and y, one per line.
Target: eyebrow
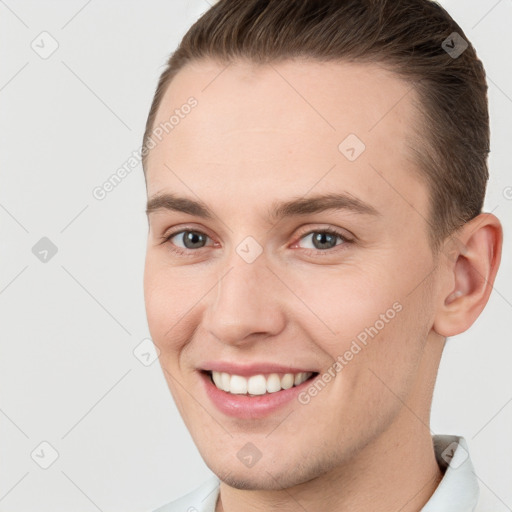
pixel 278 210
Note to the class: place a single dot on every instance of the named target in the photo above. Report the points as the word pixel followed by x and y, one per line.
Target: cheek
pixel 388 347
pixel 163 298
pixel 362 302
pixel 367 321
pixel 156 299
pixel 342 305
pixel 173 299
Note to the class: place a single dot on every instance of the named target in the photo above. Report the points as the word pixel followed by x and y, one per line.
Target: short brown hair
pixel 409 37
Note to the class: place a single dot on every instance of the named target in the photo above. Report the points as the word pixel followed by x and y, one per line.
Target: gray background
pixel 69 326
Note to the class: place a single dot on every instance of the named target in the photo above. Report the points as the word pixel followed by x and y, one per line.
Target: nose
pixel 246 304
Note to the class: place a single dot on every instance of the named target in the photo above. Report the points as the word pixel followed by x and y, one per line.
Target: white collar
pixel 458 491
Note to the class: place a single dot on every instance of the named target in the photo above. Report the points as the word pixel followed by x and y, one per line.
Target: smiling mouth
pixel 258 384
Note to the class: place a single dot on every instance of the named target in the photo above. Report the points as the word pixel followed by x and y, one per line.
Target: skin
pixel 268 133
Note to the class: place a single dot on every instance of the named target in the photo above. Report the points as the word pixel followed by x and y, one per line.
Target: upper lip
pixel 249 369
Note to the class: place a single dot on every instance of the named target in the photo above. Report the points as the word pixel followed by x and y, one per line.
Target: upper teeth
pixel 258 384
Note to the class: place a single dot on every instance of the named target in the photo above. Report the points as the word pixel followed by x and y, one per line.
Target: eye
pixel 190 240
pixel 324 239
pixel 187 241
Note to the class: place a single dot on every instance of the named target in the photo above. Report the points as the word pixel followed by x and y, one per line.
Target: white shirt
pixel 458 490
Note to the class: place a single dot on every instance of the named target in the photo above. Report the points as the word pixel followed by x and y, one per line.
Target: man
pixel 315 174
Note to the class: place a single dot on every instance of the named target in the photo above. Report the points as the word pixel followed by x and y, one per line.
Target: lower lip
pixel 250 407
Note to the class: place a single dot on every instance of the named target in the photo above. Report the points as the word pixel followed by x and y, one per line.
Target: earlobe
pixel 469 270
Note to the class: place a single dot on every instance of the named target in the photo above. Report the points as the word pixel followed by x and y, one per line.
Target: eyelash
pixel 310 252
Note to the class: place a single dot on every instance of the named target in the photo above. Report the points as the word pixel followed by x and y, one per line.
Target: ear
pixel 470 261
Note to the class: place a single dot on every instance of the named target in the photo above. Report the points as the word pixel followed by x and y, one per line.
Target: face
pixel 267 279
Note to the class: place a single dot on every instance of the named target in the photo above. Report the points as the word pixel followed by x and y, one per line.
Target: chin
pixel 263 478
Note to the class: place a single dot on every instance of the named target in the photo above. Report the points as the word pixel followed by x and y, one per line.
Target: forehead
pixel 275 130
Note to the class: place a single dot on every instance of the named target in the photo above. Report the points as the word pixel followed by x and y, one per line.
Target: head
pixel 290 119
